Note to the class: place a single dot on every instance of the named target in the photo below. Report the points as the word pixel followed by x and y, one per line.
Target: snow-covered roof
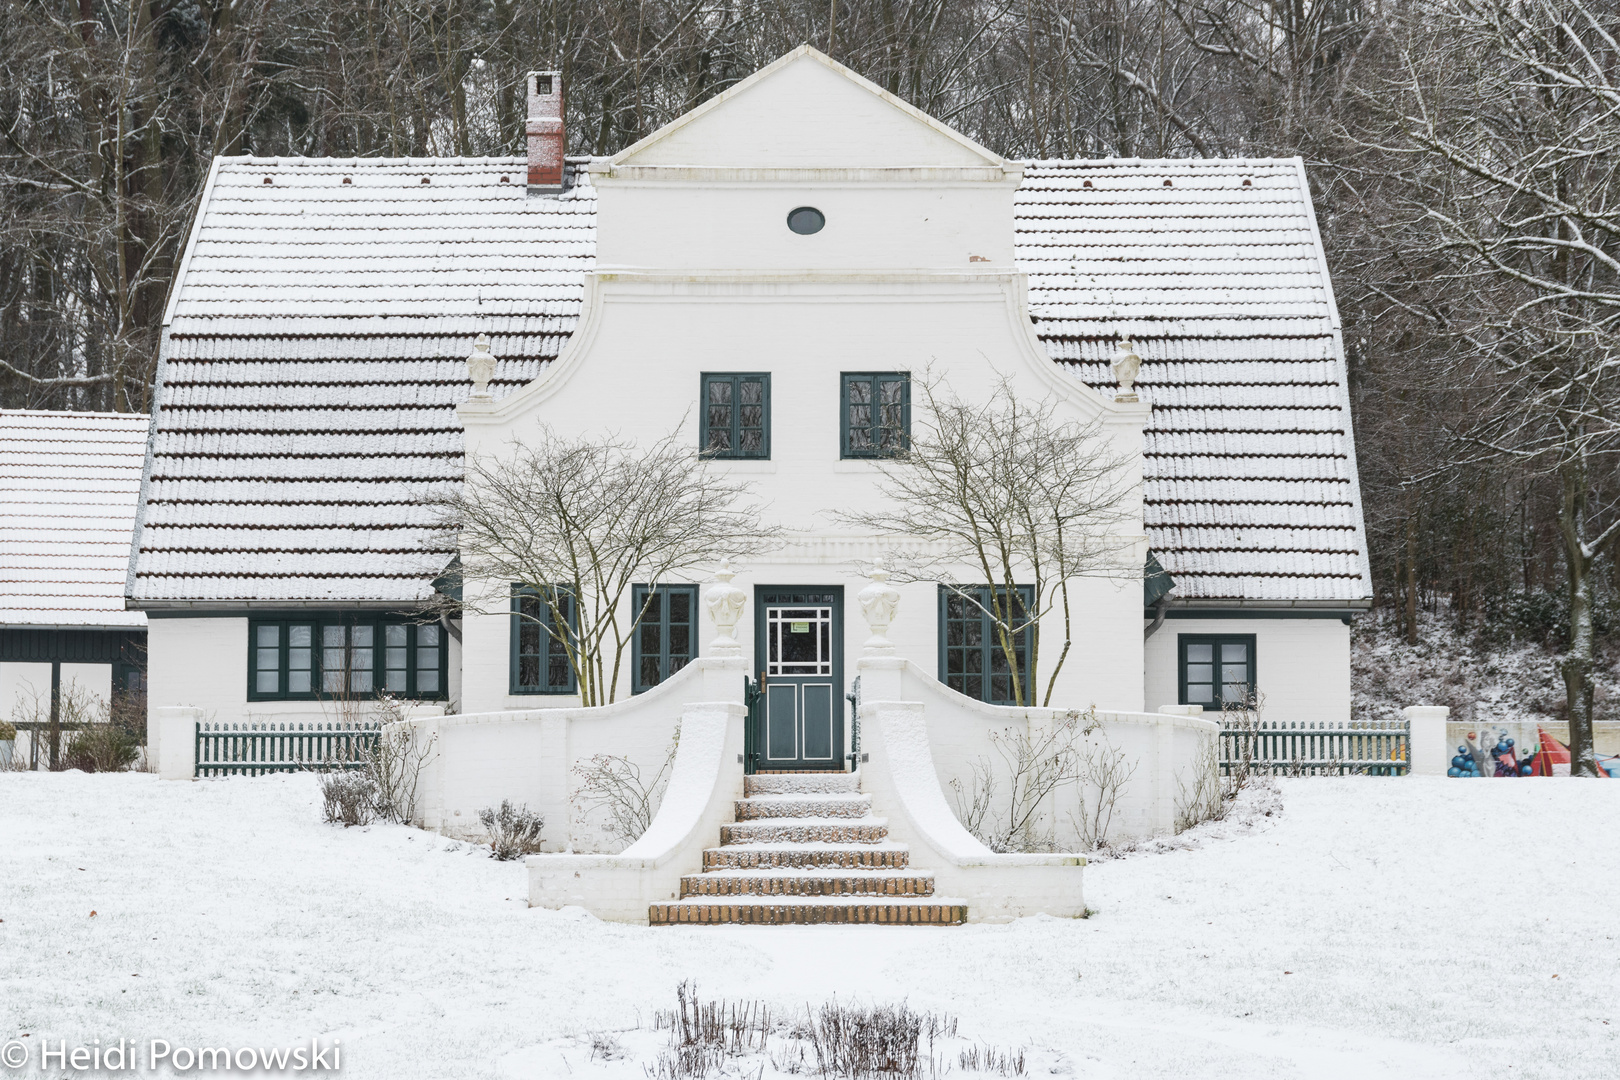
pixel 316 341
pixel 1215 269
pixel 68 488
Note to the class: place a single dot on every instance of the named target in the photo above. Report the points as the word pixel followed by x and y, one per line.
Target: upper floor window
pixel 876 408
pixel 338 655
pixel 736 415
pixel 1215 669
pixel 539 651
pixel 666 640
pixel 972 656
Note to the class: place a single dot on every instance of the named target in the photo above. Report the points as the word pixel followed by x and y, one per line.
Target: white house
pixel 789 252
pixel 68 485
pixel 313 382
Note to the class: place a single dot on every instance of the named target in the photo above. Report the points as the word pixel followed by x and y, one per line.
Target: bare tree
pixel 1510 107
pixel 1007 504
pixel 577 521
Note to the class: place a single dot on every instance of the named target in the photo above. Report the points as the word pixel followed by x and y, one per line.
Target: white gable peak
pixel 806 111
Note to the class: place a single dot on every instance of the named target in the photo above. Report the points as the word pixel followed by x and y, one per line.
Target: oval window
pixel 805 220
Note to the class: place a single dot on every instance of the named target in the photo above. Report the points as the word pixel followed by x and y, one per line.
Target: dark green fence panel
pixel 1284 748
pixel 258 748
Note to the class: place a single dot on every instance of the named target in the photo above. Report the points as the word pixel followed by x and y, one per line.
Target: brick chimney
pixel 545 130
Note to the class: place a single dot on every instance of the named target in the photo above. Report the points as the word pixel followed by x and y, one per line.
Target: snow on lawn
pixel 1376 927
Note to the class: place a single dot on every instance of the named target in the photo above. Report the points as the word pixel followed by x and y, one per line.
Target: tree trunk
pixel 1577 665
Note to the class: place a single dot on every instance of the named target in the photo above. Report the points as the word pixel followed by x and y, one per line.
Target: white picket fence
pixel 1285 748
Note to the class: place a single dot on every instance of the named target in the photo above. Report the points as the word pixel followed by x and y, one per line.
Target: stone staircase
pixel 805 848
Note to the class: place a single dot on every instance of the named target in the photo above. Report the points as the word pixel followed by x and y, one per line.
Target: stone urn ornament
pixel 1126 365
pixel 879 601
pixel 481 366
pixel 725 603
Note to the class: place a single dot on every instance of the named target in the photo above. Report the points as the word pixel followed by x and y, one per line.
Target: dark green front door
pixel 799 640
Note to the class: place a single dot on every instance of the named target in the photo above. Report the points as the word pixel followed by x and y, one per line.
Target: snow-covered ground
pixel 1372 928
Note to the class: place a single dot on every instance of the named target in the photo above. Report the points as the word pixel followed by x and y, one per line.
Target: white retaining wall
pixel 529 755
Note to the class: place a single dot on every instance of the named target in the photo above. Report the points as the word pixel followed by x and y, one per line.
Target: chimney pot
pixel 545 131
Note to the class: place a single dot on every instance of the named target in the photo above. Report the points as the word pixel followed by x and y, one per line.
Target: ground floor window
pixel 539 642
pixel 1215 669
pixel 344 656
pixel 666 640
pixel 972 659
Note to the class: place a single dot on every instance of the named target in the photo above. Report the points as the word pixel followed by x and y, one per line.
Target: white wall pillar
pixel 172 740
pixel 1427 739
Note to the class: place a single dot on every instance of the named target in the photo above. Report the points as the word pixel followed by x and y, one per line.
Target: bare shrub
pixel 1200 799
pixel 615 784
pixel 395 762
pixel 348 797
pixel 76 707
pixel 1030 769
pixel 101 748
pixel 1103 772
pixel 514 831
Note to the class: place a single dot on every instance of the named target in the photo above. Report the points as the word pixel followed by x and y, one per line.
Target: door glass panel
pixel 799 640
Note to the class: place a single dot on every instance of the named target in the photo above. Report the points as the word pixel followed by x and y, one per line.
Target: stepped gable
pixel 314 358
pixel 806 849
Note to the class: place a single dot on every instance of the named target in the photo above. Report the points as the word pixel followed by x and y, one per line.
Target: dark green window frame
pixel 539 659
pixel 291 657
pixel 665 640
pixel 735 427
pixel 1210 660
pixel 874 413
pixel 971 661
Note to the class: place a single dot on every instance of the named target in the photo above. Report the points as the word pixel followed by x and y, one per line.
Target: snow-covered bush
pixel 514 831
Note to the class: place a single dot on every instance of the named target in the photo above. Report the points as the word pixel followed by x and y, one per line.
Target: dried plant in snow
pixel 615 784
pixel 514 831
pixel 348 797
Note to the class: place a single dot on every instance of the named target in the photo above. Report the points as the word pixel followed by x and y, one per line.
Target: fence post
pixel 176 742
pixel 1426 739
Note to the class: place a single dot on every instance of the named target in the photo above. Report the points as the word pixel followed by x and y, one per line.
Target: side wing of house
pixel 68 486
pixel 312 360
pixel 1215 270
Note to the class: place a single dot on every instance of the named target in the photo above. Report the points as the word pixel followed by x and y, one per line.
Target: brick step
pixel 800 805
pixel 836 882
pixel 776 911
pixel 804 831
pixel 769 856
pixel 801 784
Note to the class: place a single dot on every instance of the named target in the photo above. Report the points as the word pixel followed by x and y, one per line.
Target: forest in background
pixel 1463 156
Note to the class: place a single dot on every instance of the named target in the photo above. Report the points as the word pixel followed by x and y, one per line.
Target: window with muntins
pixel 539 656
pixel 1216 669
pixel 736 416
pixel 329 656
pixel 972 660
pixel 666 640
pixel 876 408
